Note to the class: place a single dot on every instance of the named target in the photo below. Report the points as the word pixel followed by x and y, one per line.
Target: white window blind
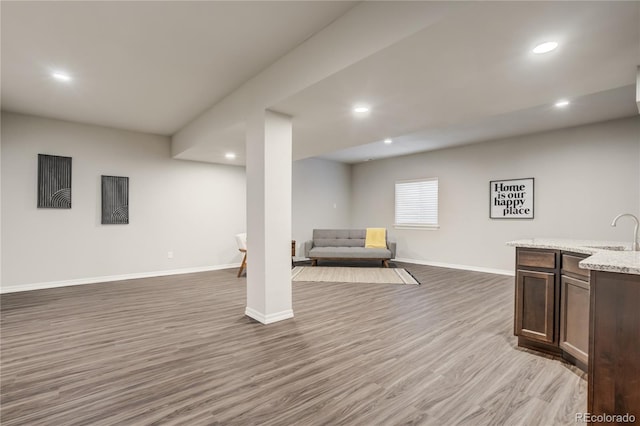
pixel 417 203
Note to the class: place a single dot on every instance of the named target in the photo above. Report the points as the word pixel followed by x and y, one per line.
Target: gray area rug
pixel 333 274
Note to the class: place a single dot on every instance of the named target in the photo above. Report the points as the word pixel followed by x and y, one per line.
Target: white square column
pixel 268 165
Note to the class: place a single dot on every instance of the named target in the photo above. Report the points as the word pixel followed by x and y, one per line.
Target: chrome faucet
pixel 634 245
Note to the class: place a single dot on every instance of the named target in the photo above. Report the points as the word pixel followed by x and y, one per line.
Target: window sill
pixel 422 227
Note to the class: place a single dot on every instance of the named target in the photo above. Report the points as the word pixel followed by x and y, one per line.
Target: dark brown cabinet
pixel 552 304
pixel 614 345
pixel 530 258
pixel 574 310
pixel 574 318
pixel 536 299
pixel 535 305
pixel 589 318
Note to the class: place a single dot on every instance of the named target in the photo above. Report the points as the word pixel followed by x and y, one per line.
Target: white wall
pixel 584 176
pixel 193 209
pixel 321 198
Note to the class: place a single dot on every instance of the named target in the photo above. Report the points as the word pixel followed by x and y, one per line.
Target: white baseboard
pixel 270 318
pixel 456 266
pixel 259 317
pixel 109 278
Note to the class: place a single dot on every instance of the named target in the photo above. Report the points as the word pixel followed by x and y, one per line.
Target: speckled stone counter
pixel 623 262
pixel 609 256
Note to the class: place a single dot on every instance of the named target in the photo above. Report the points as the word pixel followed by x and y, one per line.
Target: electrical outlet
pixel 169 255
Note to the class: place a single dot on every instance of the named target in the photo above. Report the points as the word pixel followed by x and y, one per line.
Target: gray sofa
pixel 341 244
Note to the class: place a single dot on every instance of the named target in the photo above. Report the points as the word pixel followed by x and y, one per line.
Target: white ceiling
pixel 466 77
pixel 145 66
pixel 475 67
pixel 607 105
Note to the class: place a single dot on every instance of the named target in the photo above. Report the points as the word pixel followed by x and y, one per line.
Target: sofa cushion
pixel 339 237
pixel 350 253
pixel 338 242
pixel 359 234
pixel 330 234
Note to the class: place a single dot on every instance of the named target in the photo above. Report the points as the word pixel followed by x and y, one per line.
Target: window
pixel 417 203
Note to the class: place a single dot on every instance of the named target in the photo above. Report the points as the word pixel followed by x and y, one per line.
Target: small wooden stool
pixel 293 251
pixel 243 266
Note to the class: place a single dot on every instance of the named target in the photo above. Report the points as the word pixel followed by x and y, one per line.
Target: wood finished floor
pixel 178 350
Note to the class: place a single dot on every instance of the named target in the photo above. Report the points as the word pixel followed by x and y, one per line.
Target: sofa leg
pixel 314 262
pixel 385 263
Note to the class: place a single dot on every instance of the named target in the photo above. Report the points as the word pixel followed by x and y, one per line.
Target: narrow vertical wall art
pixel 54 182
pixel 115 200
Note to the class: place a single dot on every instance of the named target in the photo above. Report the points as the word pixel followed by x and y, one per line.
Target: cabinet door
pixel 614 346
pixel 574 318
pixel 535 305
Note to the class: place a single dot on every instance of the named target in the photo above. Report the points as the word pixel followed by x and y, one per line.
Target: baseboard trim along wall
pixel 268 319
pixel 110 278
pixel 456 266
pixel 249 312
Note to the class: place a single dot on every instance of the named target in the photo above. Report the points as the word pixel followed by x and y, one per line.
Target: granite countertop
pixel 609 256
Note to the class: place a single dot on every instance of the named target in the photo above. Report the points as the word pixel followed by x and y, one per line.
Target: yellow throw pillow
pixel 376 238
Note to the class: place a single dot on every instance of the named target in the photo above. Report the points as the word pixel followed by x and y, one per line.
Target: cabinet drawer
pixel 570 264
pixel 537 259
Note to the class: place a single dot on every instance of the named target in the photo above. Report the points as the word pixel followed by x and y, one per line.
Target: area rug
pixel 334 274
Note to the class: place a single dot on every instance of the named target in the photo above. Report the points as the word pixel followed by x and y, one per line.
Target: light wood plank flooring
pixel 178 350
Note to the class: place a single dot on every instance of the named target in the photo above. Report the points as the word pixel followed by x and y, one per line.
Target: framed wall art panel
pixel 54 182
pixel 115 200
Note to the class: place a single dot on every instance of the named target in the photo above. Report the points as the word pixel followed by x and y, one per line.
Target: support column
pixel 268 165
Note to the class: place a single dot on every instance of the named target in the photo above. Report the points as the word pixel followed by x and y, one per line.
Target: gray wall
pixel 584 176
pixel 321 197
pixel 193 209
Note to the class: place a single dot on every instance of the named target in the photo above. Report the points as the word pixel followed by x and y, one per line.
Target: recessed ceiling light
pixel 230 155
pixel 388 141
pixel 61 76
pixel 563 103
pixel 545 47
pixel 360 108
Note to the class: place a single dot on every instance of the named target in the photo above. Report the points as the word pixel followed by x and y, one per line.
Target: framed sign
pixel 511 199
